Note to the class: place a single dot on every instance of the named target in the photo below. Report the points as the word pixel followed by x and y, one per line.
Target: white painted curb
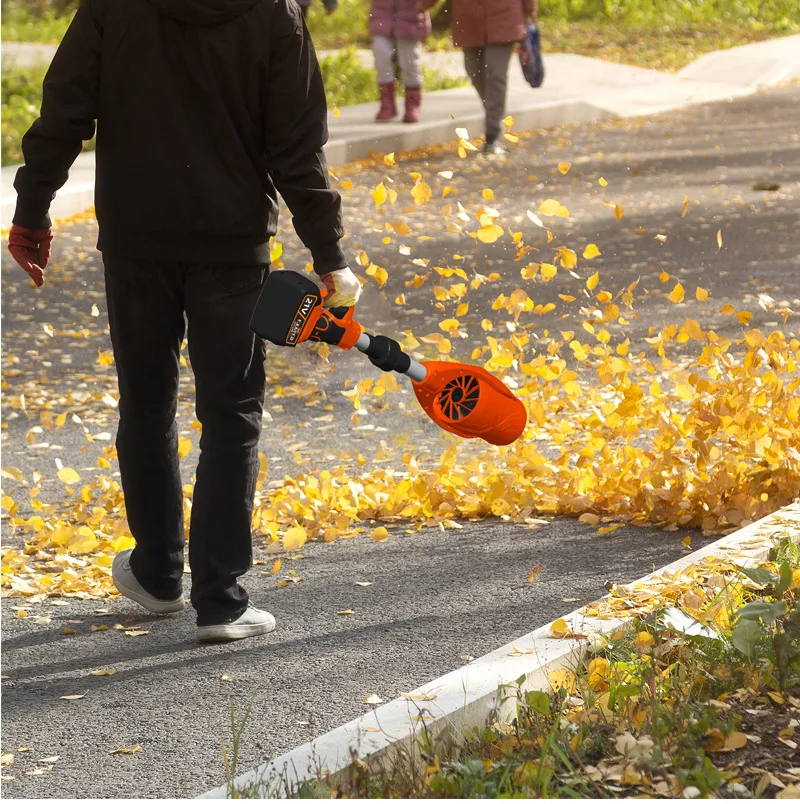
pixel 467 697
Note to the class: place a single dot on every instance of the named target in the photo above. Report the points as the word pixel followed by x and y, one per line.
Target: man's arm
pixel 68 112
pixel 296 131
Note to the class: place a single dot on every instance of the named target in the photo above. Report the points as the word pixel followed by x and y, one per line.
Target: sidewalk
pixel 576 89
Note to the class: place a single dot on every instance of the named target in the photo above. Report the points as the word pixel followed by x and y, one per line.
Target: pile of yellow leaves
pixel 657 436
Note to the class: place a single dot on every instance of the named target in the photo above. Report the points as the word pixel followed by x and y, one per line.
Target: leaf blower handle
pixel 386 354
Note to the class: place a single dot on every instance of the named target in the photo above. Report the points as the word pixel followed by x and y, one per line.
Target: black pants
pixel 149 306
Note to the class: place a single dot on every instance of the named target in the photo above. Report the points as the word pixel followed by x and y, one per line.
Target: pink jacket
pixel 399 19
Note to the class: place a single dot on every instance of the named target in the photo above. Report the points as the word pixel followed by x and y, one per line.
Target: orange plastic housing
pixel 469 402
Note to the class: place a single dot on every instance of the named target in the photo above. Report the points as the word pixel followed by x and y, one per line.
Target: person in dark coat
pixel 205 110
pixel 487 31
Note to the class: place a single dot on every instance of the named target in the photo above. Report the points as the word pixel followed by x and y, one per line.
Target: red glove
pixel 31 249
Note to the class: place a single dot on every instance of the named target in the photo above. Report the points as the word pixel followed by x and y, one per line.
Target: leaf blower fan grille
pixel 459 397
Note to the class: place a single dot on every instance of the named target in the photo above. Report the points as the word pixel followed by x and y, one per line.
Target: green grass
pixel 653 713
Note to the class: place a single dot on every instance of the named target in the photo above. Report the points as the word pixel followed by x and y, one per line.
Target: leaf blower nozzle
pixel 465 400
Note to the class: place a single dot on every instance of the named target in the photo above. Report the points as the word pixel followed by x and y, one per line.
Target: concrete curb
pixel 467 697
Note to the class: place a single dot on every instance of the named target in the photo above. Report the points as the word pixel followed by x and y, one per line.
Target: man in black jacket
pixel 205 110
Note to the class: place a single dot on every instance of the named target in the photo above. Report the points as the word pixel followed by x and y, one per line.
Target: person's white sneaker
pixel 253 622
pixel 129 587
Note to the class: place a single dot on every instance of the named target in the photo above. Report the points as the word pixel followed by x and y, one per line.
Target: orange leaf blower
pixel 464 400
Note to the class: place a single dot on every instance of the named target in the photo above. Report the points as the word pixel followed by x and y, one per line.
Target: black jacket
pixel 204 109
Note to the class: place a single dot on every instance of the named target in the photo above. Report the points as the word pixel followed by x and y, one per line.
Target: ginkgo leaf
pixel 380 534
pixel 591 251
pixel 68 475
pixel 184 446
pixel 294 538
pixel 619 212
pixel 677 294
pixel 701 294
pixel 379 194
pixel 421 193
pixel 548 271
pixel 602 182
pixel 490 233
pixel 563 167
pixel 559 629
pixel 373 699
pixel 591 282
pixel 551 207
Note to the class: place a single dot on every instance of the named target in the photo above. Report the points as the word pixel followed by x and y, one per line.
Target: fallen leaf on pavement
pixel 73 697
pixel 132 750
pixel 372 698
pixel 109 672
pixel 417 696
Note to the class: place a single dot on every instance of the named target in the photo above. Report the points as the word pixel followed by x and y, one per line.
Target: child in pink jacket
pixel 399 25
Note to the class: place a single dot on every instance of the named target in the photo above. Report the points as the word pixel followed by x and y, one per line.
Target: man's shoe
pixel 129 587
pixel 253 622
pixel 493 148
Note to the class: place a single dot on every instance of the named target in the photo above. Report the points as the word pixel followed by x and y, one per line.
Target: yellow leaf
pixel 336 111
pixel 590 252
pixel 734 741
pixel 591 282
pixel 83 540
pixel 275 567
pixel 294 538
pixel 488 194
pixel 563 168
pixel 68 475
pixel 184 446
pixel 401 299
pixel 379 534
pixel 685 207
pixel 619 212
pixel 567 257
pixel 379 194
pixel 719 239
pixel 643 640
pixel 345 612
pixel 562 679
pixel 677 294
pixel 489 234
pixel 559 629
pixel 602 182
pixel 105 357
pixel 701 294
pixel 13 474
pixel 421 193
pixel 551 207
pixel 508 121
pixel 69 631
pixel 389 160
pixel 347 184
pixel 548 271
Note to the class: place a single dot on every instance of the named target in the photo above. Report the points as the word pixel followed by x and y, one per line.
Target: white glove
pixel 343 286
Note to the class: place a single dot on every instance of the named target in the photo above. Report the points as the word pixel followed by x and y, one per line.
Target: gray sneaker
pixel 253 622
pixel 129 587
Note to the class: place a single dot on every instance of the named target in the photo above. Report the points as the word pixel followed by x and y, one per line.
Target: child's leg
pixel 409 54
pixel 383 51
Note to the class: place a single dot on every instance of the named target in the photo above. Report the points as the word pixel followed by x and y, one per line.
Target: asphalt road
pixel 435 595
